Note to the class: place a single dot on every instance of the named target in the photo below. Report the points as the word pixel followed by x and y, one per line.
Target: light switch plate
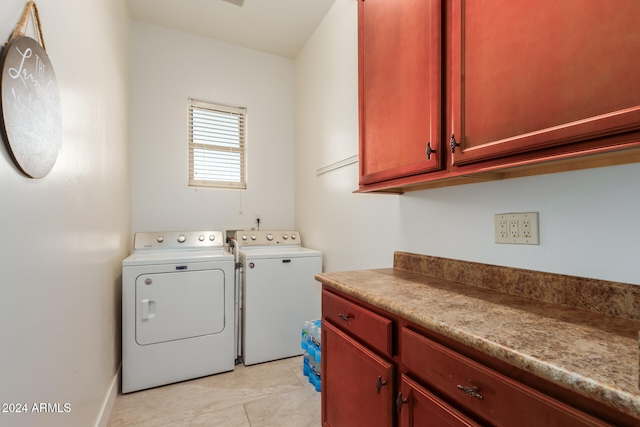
pixel 516 228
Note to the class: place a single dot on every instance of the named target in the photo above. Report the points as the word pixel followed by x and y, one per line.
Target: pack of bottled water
pixel 311 344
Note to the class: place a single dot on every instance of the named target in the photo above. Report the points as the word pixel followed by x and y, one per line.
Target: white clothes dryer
pixel 177 309
pixel 279 292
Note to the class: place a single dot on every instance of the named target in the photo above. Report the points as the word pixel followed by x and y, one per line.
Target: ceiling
pixel 280 27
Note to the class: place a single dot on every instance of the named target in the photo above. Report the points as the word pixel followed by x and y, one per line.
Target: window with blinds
pixel 217 138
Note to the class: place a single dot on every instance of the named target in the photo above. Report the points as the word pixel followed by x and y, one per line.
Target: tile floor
pixel 269 394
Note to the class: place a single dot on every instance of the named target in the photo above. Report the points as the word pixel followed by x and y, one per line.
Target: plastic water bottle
pixel 315 375
pixel 311 347
pixel 306 365
pixel 311 338
pixel 317 340
pixel 305 334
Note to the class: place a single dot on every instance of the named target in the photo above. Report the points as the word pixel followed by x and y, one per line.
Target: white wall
pixel 167 68
pixel 588 219
pixel 355 231
pixel 64 236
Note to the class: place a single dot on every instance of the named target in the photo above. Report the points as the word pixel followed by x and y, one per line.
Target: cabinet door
pixel 357 385
pixel 418 407
pixel 399 88
pixel 526 77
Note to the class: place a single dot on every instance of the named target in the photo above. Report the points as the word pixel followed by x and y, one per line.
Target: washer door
pixel 179 305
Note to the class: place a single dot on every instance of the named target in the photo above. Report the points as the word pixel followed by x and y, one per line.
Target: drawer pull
pixel 471 392
pixel 429 150
pixel 379 384
pixel 453 143
pixel 344 317
pixel 400 401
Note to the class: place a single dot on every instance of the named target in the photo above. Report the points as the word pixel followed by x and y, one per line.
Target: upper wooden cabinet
pixel 527 77
pixel 400 88
pixel 491 85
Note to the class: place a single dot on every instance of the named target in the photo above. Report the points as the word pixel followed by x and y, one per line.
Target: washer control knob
pixel 212 237
pixel 285 236
pixel 293 236
pixel 244 237
pixel 201 238
pixel 269 237
pixel 253 237
pixel 181 238
pixel 160 239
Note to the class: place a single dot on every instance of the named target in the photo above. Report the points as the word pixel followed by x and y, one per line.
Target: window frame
pixel 216 142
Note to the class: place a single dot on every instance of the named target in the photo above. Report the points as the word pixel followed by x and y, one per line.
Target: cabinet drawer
pixel 371 328
pixel 481 391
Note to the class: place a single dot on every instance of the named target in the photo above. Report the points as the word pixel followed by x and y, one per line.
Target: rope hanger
pixel 30 12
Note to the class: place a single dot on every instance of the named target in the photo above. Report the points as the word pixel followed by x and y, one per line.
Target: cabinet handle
pixel 429 150
pixel 400 401
pixel 470 391
pixel 344 317
pixel 379 384
pixel 453 143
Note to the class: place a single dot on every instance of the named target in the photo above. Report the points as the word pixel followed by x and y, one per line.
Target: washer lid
pixel 172 257
pixel 269 252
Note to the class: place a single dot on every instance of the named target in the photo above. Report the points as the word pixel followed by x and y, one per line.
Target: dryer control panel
pixel 174 240
pixel 267 237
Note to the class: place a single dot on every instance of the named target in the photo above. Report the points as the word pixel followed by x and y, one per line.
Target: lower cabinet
pixel 486 394
pixel 405 378
pixel 357 385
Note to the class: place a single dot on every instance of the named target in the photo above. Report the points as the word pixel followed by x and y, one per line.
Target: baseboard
pixel 110 400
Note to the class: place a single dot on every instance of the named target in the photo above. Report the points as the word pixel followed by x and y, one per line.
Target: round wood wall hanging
pixel 31 111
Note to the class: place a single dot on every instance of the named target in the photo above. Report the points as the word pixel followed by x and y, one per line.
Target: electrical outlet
pixel 503 229
pixel 516 228
pixel 513 228
pixel 526 228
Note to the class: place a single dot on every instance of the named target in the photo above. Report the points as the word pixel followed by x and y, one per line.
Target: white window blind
pixel 217 138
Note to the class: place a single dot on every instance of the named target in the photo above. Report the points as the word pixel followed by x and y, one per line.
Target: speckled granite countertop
pixel 590 353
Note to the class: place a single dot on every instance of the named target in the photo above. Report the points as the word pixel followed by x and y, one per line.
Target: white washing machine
pixel 177 309
pixel 279 292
